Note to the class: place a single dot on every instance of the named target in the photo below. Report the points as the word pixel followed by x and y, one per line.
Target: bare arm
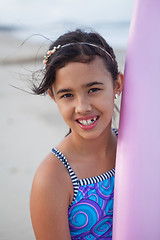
pixel 50 198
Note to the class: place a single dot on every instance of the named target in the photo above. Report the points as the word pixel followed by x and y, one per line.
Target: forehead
pixel 77 72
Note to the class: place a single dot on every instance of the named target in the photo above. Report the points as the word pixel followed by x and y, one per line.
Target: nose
pixel 82 105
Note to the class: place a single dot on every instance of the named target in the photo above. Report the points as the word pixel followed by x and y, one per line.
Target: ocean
pixel 51 18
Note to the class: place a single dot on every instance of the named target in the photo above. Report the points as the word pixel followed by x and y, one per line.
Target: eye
pixel 67 95
pixel 94 90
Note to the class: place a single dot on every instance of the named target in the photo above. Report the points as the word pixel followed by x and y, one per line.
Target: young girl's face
pixel 84 93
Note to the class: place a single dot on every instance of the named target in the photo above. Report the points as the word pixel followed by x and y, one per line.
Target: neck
pixel 98 146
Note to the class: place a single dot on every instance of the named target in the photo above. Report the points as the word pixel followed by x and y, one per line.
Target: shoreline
pixel 15 51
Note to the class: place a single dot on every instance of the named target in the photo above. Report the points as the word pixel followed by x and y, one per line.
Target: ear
pixel 50 93
pixel 119 83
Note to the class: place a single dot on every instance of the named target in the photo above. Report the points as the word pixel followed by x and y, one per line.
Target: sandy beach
pixel 30 127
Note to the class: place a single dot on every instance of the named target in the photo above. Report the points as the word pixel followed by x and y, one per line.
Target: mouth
pixel 88 123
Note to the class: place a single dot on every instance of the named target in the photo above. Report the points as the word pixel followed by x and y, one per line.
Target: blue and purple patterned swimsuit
pixel 91 211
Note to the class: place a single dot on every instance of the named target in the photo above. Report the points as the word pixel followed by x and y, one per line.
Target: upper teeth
pixel 88 122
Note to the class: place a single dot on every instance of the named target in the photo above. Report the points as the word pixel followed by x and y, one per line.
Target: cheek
pixel 107 108
pixel 65 110
pixel 107 102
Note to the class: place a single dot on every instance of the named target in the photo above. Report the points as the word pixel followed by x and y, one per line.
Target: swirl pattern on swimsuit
pixel 91 213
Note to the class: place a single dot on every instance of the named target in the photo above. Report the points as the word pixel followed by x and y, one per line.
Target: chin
pixel 94 135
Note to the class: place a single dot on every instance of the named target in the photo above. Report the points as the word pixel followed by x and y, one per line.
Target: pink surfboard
pixel 137 181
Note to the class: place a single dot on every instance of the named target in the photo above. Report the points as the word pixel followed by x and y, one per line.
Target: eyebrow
pixel 64 90
pixel 93 83
pixel 86 85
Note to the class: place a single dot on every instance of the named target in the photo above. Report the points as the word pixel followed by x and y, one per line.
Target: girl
pixel 72 192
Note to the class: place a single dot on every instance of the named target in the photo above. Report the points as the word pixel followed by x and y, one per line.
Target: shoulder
pixel 51 175
pixel 50 198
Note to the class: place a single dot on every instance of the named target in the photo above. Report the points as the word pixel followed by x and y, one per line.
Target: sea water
pixel 51 18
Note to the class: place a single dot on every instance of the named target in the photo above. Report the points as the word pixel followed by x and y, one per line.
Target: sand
pixel 30 127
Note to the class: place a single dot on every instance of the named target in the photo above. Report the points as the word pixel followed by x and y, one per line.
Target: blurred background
pixel 31 125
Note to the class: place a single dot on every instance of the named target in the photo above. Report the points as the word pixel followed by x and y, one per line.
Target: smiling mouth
pixel 87 122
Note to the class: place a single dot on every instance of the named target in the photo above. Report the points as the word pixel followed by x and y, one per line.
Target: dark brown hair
pixel 76 53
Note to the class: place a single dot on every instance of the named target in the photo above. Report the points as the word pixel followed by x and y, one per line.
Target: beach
pixel 30 127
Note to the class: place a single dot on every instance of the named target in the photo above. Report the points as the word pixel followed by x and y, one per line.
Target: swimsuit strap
pixel 73 176
pixel 98 178
pixel 114 130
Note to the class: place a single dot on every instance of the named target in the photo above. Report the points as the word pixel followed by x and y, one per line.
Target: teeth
pixel 88 122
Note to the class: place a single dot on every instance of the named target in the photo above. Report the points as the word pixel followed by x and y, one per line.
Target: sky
pixel 36 12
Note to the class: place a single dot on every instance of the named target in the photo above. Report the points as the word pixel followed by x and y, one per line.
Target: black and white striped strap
pixel 73 176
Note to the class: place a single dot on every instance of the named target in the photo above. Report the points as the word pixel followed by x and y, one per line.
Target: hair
pixel 76 53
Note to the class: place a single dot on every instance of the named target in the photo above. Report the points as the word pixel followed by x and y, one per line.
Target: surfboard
pixel 137 179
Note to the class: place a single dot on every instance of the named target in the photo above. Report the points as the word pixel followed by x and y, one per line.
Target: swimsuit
pixel 91 211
